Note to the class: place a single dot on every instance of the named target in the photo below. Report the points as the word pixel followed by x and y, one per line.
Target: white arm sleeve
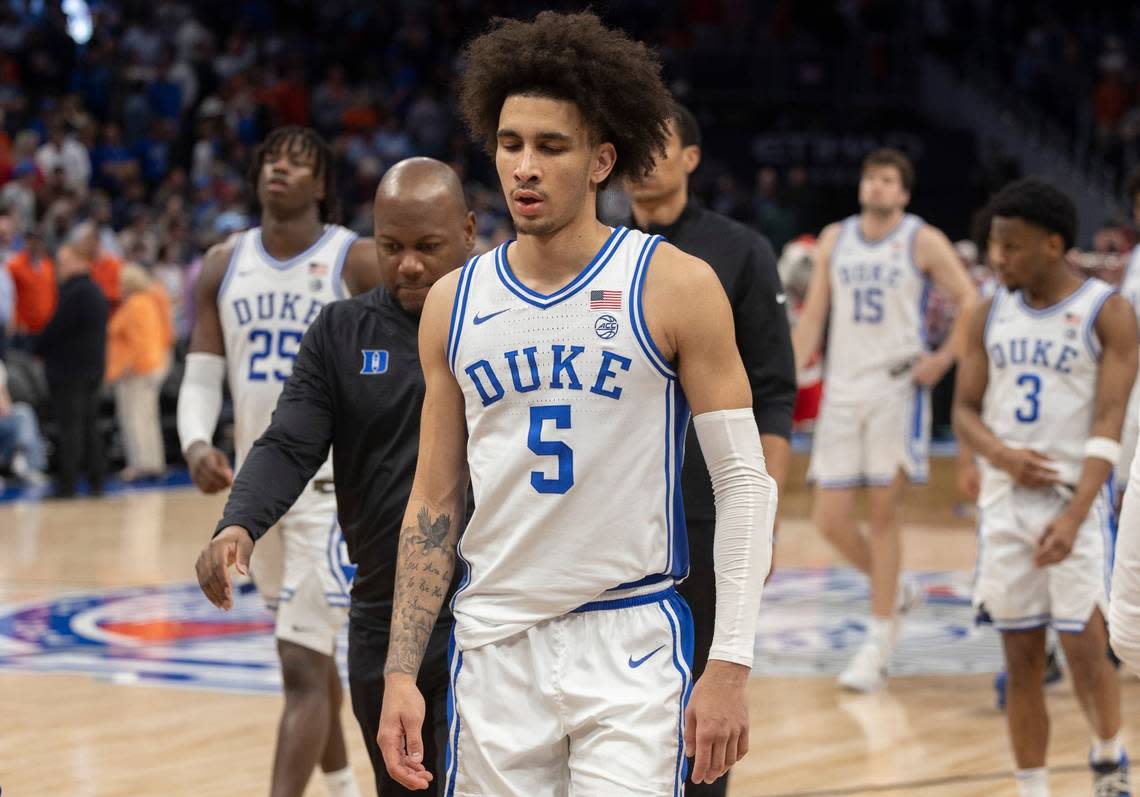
pixel 200 398
pixel 1124 601
pixel 745 498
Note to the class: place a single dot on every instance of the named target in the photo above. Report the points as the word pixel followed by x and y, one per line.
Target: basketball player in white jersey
pixel 869 283
pixel 257 295
pixel 1040 397
pixel 560 371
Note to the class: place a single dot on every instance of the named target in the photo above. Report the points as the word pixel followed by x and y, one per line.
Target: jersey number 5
pixel 560 414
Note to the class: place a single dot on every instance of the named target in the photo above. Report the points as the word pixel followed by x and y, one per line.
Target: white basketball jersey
pixel 878 305
pixel 265 307
pixel 576 428
pixel 1130 281
pixel 1042 377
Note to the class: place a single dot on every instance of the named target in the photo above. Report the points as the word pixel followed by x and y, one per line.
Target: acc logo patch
pixel 606 326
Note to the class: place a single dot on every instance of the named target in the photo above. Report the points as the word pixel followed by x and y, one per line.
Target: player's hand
pixel 1057 541
pixel 232 547
pixel 929 368
pixel 209 467
pixel 1028 468
pixel 401 731
pixel 716 720
pixel 969 478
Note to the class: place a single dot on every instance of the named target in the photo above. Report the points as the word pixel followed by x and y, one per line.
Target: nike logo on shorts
pixel 477 320
pixel 635 663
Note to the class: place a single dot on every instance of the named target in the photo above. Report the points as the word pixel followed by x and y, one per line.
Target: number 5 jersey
pixel 576 426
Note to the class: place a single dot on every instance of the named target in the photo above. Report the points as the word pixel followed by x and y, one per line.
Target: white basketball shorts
pixel 866 442
pixel 301 569
pixel 1016 595
pixel 589 703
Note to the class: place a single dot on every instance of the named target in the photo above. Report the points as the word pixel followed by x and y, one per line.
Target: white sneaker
pixel 23 470
pixel 867 671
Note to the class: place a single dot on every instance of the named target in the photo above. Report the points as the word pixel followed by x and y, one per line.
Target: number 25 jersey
pixel 576 427
pixel 265 306
pixel 1043 367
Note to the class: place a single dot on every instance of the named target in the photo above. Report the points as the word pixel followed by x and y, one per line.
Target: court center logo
pixel 606 326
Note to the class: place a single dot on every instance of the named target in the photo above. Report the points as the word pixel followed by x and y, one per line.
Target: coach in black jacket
pixel 746 265
pixel 74 349
pixel 357 386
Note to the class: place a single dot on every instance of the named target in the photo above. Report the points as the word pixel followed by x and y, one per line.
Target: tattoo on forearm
pixel 423 572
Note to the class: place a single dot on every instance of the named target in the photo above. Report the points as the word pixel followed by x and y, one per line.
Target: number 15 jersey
pixel 576 427
pixel 1043 368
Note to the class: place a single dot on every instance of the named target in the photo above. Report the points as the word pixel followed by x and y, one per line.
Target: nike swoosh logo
pixel 477 320
pixel 635 663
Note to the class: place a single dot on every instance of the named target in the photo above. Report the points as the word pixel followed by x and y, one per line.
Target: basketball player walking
pixel 870 279
pixel 560 370
pixel 258 293
pixel 1041 394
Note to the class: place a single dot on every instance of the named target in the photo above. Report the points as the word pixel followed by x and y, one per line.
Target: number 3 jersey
pixel 576 427
pixel 1042 378
pixel 265 306
pixel 878 309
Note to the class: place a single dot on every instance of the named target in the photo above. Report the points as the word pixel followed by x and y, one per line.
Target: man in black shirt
pixel 357 386
pixel 73 346
pixel 746 265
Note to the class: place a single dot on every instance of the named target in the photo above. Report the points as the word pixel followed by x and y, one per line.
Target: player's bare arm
pixel 209 468
pixel 1027 467
pixel 428 540
pixel 362 267
pixel 688 315
pixel 807 334
pixel 1116 329
pixel 936 256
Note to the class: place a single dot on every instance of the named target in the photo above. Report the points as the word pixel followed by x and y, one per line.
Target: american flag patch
pixel 605 300
pixel 317 269
pixel 1072 318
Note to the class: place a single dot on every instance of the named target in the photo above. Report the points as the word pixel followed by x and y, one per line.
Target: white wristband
pixel 1103 448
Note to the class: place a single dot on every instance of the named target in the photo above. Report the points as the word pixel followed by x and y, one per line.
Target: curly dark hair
pixel 304 142
pixel 892 157
pixel 1036 202
pixel 614 80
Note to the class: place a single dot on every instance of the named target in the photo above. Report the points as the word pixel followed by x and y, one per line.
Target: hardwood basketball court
pixel 82 718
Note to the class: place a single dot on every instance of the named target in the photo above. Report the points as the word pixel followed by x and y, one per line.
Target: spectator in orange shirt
pixel 105 267
pixel 33 274
pixel 140 338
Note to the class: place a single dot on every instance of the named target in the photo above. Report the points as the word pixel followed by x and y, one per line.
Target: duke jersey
pixel 265 307
pixel 576 427
pixel 878 308
pixel 1042 378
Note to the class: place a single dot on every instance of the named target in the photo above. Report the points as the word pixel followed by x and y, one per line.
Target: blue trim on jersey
pixel 994 302
pixel 679 541
pixel 231 266
pixel 888 236
pixel 1020 623
pixel 1069 626
pixel 459 310
pixel 466 579
pixel 680 620
pixel 544 301
pixel 1090 323
pixel 641 582
pixel 338 268
pixel 923 301
pixel 625 603
pixel 451 760
pixel 285 265
pixel 1104 510
pixel 911 248
pixel 1045 311
pixel 637 311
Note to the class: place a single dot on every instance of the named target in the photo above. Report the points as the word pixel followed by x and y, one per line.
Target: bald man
pixel 357 386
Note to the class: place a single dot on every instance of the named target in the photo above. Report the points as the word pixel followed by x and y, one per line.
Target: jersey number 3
pixel 1028 412
pixel 560 414
pixel 288 343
